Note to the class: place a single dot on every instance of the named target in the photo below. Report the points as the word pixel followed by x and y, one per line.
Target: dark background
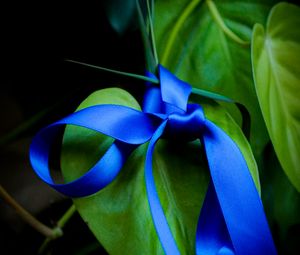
pixel 36 38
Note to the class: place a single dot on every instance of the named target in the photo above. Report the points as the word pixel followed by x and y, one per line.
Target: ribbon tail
pixel 159 219
pixel 237 195
pixel 212 236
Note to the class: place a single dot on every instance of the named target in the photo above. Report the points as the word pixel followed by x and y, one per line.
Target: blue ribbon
pixel 232 219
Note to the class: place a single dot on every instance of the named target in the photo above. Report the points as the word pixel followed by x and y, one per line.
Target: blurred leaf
pixel 207 58
pixel 276 67
pixel 121 14
pixel 119 215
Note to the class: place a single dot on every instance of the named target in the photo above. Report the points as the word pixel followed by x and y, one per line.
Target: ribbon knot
pixel 186 126
pixel 232 219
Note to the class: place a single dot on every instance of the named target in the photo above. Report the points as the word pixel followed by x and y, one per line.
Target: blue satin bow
pixel 232 220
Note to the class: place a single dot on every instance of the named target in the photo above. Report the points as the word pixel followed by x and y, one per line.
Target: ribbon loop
pixel 128 126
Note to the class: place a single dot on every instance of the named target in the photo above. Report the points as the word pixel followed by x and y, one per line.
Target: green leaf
pixel 206 57
pixel 121 14
pixel 276 68
pixel 119 215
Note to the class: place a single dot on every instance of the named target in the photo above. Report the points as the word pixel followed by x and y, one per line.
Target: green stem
pixel 187 11
pixel 150 61
pixel 218 19
pixel 67 215
pixel 211 95
pixel 136 76
pixel 152 32
pixel 60 224
pixel 27 217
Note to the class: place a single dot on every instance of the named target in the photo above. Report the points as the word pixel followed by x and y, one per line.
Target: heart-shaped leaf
pixel 119 215
pixel 206 57
pixel 276 68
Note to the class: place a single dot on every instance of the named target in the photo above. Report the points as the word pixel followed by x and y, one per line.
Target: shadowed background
pixel 36 38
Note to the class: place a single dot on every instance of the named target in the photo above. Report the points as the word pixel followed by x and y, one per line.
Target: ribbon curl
pixel 232 219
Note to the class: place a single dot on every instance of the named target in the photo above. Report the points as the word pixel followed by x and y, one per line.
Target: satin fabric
pixel 232 220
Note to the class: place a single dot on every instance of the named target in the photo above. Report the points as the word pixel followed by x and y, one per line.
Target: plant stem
pixel 136 76
pixel 60 224
pixel 179 23
pixel 218 19
pixel 31 220
pixel 211 95
pixel 67 215
pixel 152 33
pixel 150 61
